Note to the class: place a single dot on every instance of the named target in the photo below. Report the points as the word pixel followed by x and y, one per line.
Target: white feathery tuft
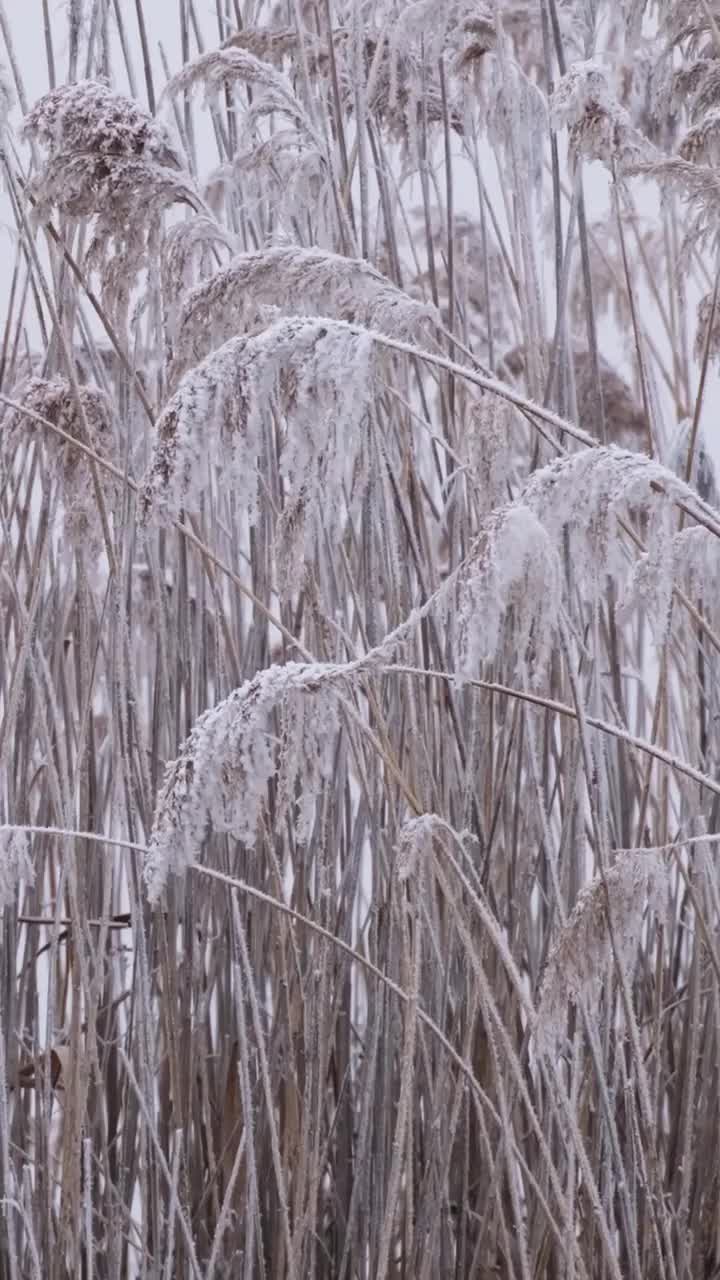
pixel 579 959
pixel 319 372
pixel 599 127
pixel 585 492
pixel 298 281
pixel 221 775
pixel 513 565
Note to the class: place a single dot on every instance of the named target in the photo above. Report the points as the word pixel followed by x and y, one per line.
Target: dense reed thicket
pixel 359 641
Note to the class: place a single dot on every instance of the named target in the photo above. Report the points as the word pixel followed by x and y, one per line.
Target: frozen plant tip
pixel 282 724
pixel 607 910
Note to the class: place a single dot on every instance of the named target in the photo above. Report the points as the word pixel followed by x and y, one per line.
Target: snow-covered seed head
pixel 297 281
pixel 599 127
pixel 88 416
pixel 414 847
pixel 282 724
pixel 585 492
pixel 88 117
pixel 608 909
pixel 319 374
pixel 107 159
pixel 513 566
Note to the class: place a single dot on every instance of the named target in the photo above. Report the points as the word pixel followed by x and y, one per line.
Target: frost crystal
pixel 15 863
pixel 319 370
pixel 579 959
pixel 221 775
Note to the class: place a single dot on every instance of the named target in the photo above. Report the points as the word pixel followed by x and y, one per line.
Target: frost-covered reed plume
pixel 272 91
pixel 693 565
pixel 585 494
pixel 85 413
pixel 514 568
pixel 88 120
pixel 573 506
pixel 599 127
pixel 318 372
pixel 105 157
pixel 296 280
pixel 280 725
pixel 605 925
pixel 406 320
pixel 292 159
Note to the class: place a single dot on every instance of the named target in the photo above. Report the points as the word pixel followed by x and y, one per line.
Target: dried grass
pixel 358 683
